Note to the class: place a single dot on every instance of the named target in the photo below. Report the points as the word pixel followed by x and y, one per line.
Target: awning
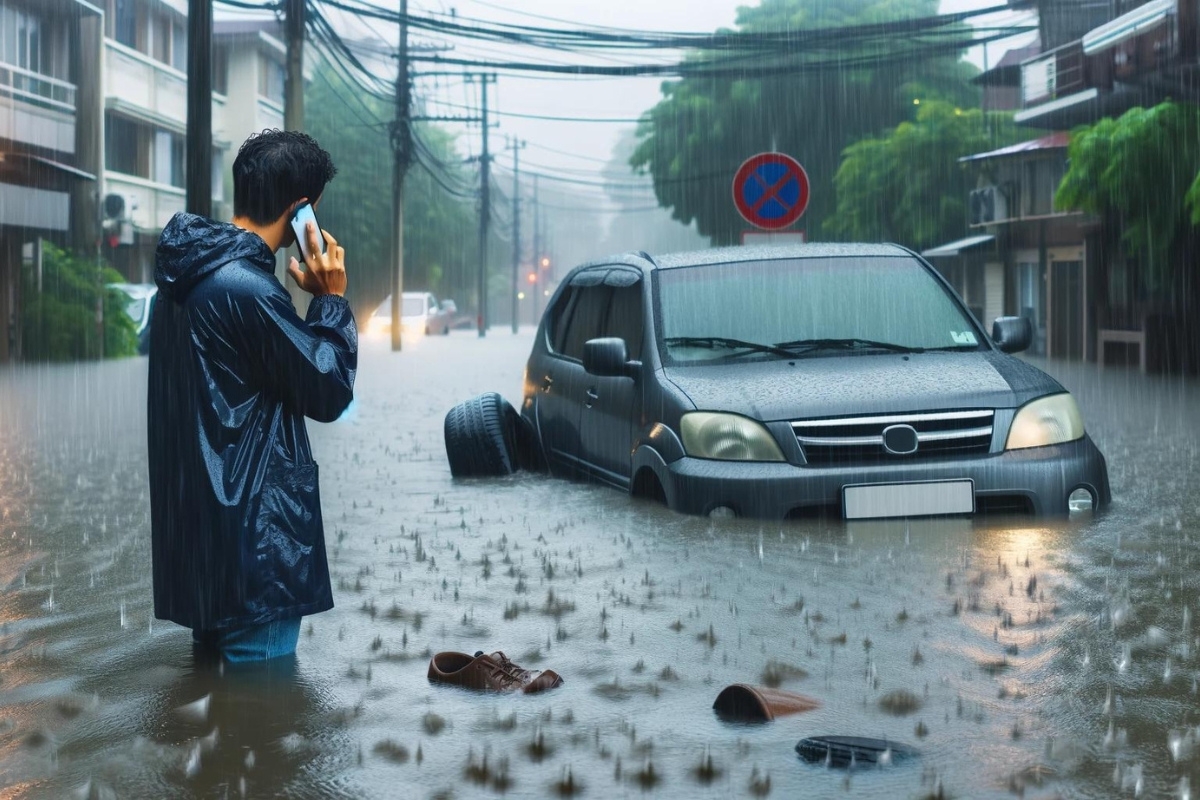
pixel 1055 141
pixel 956 248
pixel 67 168
pixel 1143 18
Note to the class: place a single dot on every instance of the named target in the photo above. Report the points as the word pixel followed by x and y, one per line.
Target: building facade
pixel 145 115
pixel 50 157
pixel 1026 256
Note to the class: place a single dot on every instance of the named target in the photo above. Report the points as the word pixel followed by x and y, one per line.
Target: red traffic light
pixel 533 277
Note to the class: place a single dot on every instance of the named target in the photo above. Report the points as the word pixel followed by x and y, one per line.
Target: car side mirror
pixel 1012 334
pixel 607 358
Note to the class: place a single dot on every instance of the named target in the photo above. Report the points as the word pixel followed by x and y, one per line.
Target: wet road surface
pixel 1022 659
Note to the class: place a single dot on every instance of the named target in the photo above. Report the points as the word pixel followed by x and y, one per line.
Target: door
pixel 1066 309
pixel 1031 303
pixel 560 381
pixel 612 405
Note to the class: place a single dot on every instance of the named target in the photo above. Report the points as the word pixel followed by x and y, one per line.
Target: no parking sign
pixel 770 190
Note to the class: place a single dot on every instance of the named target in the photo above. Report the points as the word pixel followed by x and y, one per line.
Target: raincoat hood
pixel 193 247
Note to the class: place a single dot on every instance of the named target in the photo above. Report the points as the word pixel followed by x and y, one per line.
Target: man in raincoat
pixel 238 546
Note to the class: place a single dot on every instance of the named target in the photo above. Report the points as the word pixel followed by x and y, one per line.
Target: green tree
pixel 440 243
pixel 908 186
pixel 59 321
pixel 694 139
pixel 1141 174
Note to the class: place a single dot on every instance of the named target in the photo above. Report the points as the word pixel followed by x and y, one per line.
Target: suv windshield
pixel 802 306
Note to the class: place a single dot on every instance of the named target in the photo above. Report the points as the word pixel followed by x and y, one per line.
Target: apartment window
pixel 179 46
pixel 160 38
pixel 218 175
pixel 124 149
pixel 22 40
pixel 170 159
pixel 220 68
pixel 270 79
pixel 122 21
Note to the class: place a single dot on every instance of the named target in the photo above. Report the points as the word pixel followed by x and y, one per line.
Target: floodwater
pixel 1039 660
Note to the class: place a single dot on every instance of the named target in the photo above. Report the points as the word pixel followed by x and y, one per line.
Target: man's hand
pixel 326 272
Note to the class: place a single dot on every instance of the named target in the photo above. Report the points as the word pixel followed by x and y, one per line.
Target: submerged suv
pixel 782 381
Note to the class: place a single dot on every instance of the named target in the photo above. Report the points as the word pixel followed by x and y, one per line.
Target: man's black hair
pixel 274 169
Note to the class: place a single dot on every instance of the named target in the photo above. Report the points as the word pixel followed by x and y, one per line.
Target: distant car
pixel 783 382
pixel 420 312
pixel 140 309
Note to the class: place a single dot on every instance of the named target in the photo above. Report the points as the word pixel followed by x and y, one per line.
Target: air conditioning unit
pixel 988 205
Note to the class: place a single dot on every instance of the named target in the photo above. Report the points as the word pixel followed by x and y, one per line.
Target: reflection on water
pixel 1018 657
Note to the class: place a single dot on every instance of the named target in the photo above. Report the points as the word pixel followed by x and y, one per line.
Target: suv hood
pixel 863 384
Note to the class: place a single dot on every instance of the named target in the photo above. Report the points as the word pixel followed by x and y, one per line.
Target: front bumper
pixel 1040 479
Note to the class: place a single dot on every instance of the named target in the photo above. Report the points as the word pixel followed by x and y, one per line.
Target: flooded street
pixel 1020 658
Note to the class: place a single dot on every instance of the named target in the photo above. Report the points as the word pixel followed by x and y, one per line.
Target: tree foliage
pixel 440 241
pixel 59 321
pixel 1141 172
pixel 908 186
pixel 696 136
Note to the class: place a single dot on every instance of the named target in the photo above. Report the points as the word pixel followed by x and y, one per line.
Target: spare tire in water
pixel 481 437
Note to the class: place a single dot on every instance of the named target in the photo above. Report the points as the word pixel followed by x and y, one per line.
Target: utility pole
pixel 401 153
pixel 293 88
pixel 485 208
pixel 199 108
pixel 484 162
pixel 516 145
pixel 537 250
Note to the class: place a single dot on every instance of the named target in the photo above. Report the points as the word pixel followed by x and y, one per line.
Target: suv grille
pixel 854 440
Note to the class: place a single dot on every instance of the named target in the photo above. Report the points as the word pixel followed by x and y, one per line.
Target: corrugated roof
pixel 1007 71
pixel 956 248
pixel 1054 141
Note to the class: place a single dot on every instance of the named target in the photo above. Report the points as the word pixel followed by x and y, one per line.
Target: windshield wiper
pixel 846 344
pixel 715 342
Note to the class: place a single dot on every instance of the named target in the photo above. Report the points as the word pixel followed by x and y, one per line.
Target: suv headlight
pixel 727 437
pixel 1048 420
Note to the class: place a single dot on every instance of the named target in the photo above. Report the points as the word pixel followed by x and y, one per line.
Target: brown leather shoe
pixel 745 703
pixel 489 673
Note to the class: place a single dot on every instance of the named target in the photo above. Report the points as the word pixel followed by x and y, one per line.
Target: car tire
pixel 481 437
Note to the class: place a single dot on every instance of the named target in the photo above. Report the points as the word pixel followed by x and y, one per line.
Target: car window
pixel 412 307
pixel 882 298
pixel 625 318
pixel 559 315
pixel 587 320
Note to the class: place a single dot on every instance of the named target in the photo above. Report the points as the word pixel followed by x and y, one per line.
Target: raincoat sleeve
pixel 309 363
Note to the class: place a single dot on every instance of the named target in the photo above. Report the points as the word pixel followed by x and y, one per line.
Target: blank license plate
pixel 877 500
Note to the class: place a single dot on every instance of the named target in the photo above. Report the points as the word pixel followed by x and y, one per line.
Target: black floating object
pixel 845 751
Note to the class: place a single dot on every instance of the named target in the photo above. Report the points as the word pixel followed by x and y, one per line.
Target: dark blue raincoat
pixel 235 507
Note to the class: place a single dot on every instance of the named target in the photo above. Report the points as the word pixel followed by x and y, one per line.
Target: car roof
pixel 725 255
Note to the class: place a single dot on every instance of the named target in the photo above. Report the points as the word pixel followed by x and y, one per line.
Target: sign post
pixel 771 192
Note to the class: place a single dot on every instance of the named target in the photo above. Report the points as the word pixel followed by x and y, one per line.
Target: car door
pixel 612 404
pixel 562 382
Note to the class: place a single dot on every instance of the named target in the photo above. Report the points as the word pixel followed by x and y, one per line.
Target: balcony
pixel 1139 58
pixel 1053 75
pixel 143 87
pixel 36 110
pixel 153 204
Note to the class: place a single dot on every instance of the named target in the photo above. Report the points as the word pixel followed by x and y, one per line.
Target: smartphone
pixel 304 215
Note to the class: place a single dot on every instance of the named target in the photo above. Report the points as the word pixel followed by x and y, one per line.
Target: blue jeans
pixel 253 642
